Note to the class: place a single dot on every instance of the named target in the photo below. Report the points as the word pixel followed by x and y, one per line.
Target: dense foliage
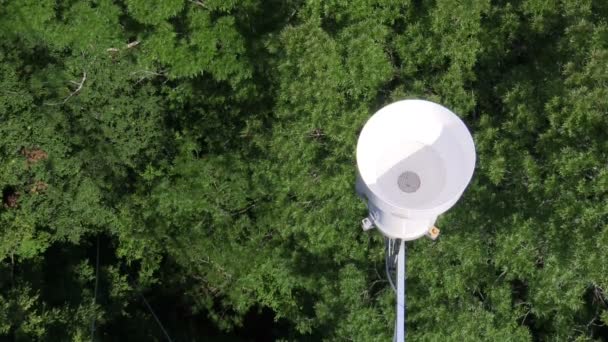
pixel 199 156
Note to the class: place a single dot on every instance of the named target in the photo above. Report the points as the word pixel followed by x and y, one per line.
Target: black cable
pixel 156 317
pixel 138 291
pixel 95 292
pixel 387 261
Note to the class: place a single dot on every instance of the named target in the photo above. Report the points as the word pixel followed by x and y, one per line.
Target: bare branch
pixel 526 316
pixel 128 46
pixel 199 3
pixel 79 86
pixel 147 74
pixel 133 44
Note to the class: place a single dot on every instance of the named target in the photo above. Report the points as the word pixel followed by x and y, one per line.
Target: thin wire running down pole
pixel 401 303
pixel 389 261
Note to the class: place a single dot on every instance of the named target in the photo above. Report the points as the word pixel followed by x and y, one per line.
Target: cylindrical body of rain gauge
pixel 414 160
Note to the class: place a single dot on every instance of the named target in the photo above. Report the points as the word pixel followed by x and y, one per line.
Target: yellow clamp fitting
pixel 433 233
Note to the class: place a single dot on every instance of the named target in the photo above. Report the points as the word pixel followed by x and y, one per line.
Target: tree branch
pixel 79 86
pixel 133 44
pixel 199 3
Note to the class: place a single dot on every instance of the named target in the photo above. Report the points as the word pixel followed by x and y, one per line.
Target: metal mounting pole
pixel 400 329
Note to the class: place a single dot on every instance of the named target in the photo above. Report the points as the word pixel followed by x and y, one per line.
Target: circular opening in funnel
pixel 408 182
pixel 411 178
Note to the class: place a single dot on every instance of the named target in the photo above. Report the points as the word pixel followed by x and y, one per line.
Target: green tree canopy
pixel 199 157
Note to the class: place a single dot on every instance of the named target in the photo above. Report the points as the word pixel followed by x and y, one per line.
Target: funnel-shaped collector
pixel 414 158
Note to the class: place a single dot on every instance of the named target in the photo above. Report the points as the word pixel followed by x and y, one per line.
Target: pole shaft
pixel 401 293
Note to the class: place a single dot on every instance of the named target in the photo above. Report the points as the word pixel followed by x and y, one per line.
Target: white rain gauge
pixel 414 159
